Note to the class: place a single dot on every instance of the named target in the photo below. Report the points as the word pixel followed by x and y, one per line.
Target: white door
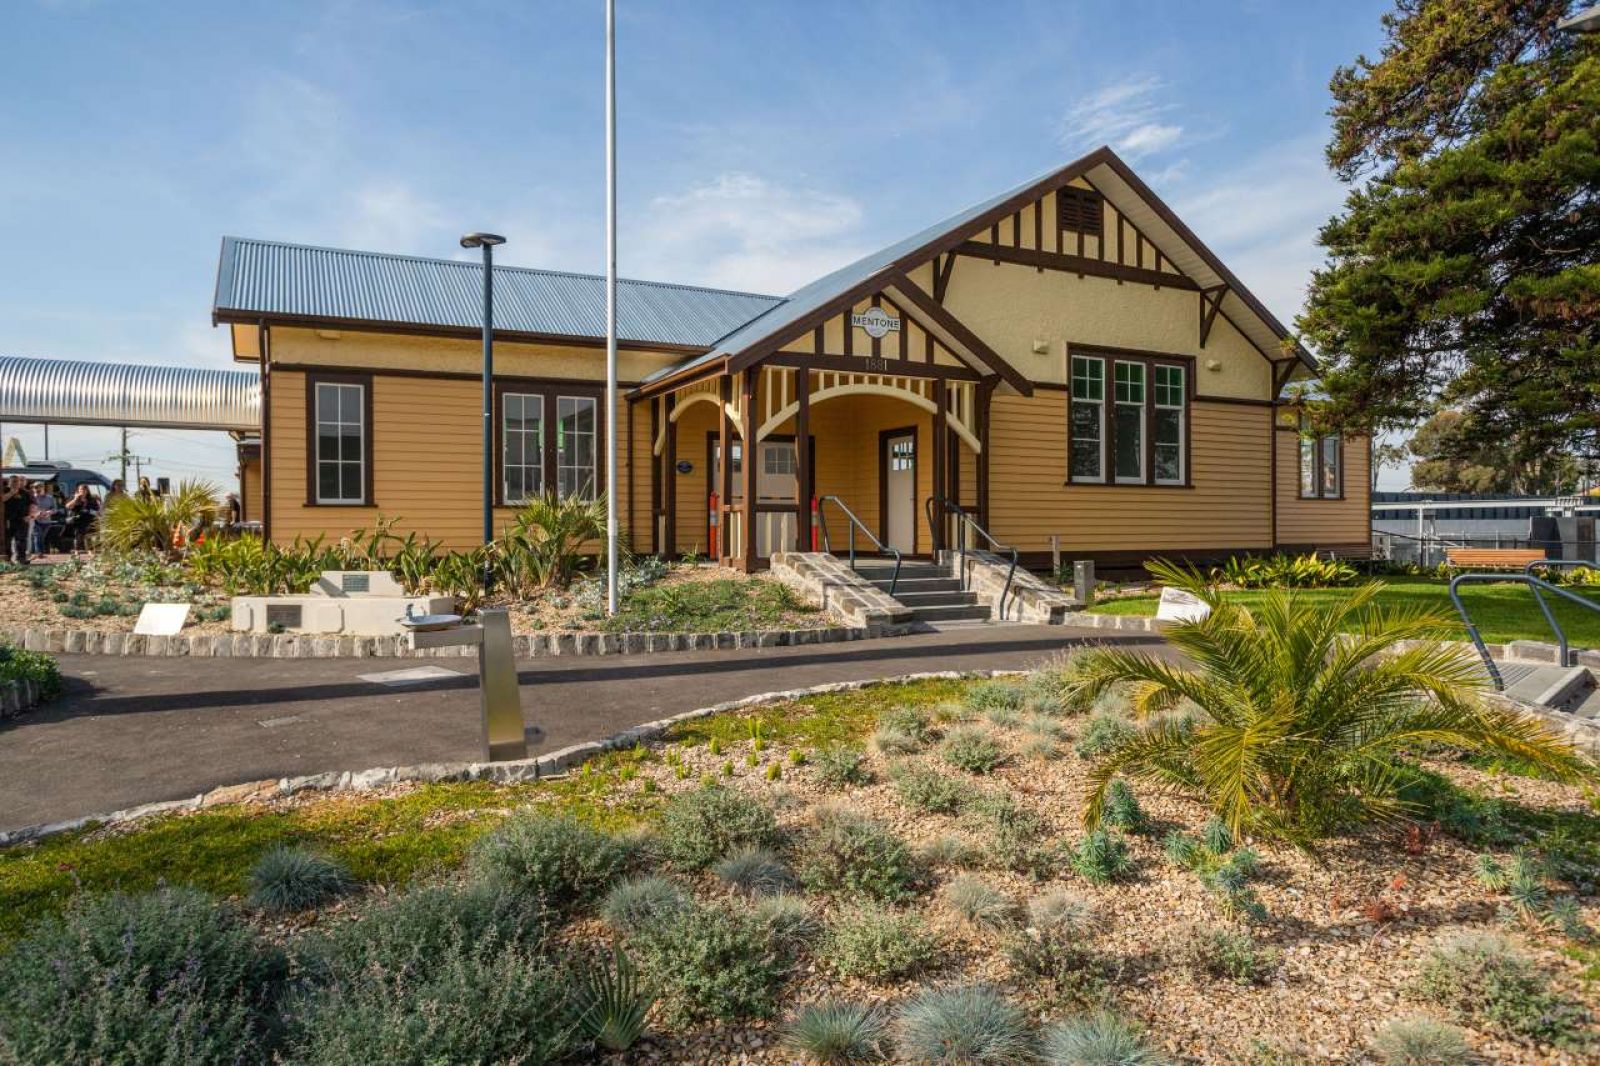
pixel 900 492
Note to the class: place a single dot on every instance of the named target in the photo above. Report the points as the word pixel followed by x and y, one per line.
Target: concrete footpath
pixel 132 730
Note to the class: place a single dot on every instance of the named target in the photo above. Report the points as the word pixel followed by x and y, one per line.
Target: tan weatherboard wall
pixel 392 351
pixel 1229 505
pixel 1345 522
pixel 250 488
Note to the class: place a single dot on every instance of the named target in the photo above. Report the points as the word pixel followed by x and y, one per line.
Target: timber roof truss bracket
pixel 1210 303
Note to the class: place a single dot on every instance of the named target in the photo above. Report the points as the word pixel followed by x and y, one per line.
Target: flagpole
pixel 611 307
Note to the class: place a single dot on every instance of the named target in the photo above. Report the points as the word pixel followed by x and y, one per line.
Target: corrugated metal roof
pixel 1104 170
pixel 256 278
pixel 119 394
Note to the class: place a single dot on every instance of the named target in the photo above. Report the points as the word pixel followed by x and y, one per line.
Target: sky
pixel 761 143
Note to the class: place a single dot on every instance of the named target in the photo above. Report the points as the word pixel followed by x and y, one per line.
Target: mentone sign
pixel 876 321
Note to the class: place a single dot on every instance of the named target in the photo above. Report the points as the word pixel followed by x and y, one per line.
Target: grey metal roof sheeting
pixel 270 278
pixel 118 394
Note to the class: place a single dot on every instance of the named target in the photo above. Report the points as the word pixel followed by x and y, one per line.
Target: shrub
pixel 566 864
pixel 611 1004
pixel 927 789
pixel 486 1001
pixel 1421 1042
pixel 841 765
pixel 1041 693
pixel 971 749
pixel 542 547
pixel 638 900
pixel 1055 947
pixel 967 1025
pixel 755 872
pixel 289 879
pixel 1286 571
pixel 1014 834
pixel 979 902
pixel 1218 951
pixel 913 722
pixel 1103 731
pixel 1098 1039
pixel 1043 725
pixel 856 856
pixel 168 977
pixel 1225 872
pixel 1303 733
pixel 836 1033
pixel 1122 810
pixel 19 664
pixel 700 827
pixel 132 524
pixel 1100 857
pixel 878 944
pixel 947 850
pixel 787 919
pixel 711 962
pixel 1040 749
pixel 987 696
pixel 1486 983
pixel 890 742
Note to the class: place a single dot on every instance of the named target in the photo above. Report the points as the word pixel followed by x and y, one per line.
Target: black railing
pixel 1538 586
pixel 855 524
pixel 967 522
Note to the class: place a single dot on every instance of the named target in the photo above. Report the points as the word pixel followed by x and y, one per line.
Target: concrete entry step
pixel 933 594
pixel 1561 688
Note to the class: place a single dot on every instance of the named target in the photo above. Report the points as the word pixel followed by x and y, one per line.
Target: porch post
pixel 657 477
pixel 985 391
pixel 941 456
pixel 725 488
pixel 752 379
pixel 802 456
pixel 669 455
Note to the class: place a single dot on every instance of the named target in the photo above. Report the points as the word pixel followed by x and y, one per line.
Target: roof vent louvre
pixel 1080 211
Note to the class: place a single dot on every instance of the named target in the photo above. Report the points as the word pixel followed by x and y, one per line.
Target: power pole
pixel 123 455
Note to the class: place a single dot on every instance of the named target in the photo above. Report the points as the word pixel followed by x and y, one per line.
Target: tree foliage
pixel 1464 270
pixel 1449 455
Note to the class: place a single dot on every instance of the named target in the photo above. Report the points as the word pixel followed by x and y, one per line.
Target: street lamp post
pixel 487 242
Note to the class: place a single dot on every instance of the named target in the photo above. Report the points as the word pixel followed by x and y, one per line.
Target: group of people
pixel 36 516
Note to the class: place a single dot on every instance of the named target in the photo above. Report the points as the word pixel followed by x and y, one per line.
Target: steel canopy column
pixel 802 458
pixel 752 389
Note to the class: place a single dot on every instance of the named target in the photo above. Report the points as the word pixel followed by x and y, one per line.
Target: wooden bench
pixel 1491 558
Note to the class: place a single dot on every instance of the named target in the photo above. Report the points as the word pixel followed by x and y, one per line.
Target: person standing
pixel 44 517
pixel 18 507
pixel 81 511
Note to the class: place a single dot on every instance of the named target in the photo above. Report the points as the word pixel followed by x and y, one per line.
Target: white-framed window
pixel 1171 402
pixel 575 450
pixel 1321 464
pixel 1128 428
pixel 1087 420
pixel 778 459
pixel 341 461
pixel 522 446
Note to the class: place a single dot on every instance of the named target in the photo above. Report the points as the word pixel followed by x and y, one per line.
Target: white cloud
pixel 744 231
pixel 1129 115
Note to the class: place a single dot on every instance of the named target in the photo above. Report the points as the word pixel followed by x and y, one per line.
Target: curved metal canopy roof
pixel 119 394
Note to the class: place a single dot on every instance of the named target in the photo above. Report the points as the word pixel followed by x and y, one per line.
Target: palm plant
pixel 541 549
pixel 153 523
pixel 1307 708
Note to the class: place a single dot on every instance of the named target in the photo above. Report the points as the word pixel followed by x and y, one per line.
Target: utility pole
pixel 123 455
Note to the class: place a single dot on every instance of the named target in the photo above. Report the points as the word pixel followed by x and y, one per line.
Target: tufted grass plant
pixel 979 902
pixel 639 900
pixel 1041 749
pixel 1422 1042
pixel 929 790
pixel 288 879
pixel 836 1033
pixel 1098 1039
pixel 968 1025
pixel 875 943
pixel 854 856
pixel 948 849
pixel 890 742
pixel 972 749
pixel 788 920
pixel 563 862
pixel 1486 983
pixel 840 766
pixel 699 827
pixel 756 872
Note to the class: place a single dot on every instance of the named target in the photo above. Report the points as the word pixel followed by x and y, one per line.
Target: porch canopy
pixel 879 329
pixel 62 392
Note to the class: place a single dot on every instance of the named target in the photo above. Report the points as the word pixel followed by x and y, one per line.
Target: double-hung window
pixel 522 444
pixel 548 442
pixel 1321 464
pixel 575 450
pixel 1171 396
pixel 339 474
pixel 1128 426
pixel 1088 419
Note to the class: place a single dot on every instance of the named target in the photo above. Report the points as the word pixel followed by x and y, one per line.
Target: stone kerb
pixel 17 696
pixel 828 582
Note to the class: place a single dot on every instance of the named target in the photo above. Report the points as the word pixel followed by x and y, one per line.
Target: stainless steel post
pixel 504 736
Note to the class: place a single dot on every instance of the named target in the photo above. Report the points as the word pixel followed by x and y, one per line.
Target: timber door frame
pixel 884 437
pixel 712 440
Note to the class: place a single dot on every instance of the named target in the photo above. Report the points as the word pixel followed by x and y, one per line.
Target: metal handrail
pixel 855 523
pixel 968 522
pixel 1535 585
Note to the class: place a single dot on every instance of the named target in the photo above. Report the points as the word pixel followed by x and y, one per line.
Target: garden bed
pixel 1338 946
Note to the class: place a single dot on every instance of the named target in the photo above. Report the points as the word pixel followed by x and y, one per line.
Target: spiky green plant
pixel 1122 810
pixel 135 523
pixel 756 872
pixel 542 547
pixel 612 1004
pixel 979 902
pixel 1099 1039
pixel 965 1026
pixel 836 1033
pixel 1303 726
pixel 288 879
pixel 1100 857
pixel 1421 1042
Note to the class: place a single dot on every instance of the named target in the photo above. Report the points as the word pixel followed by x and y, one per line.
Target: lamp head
pixel 478 240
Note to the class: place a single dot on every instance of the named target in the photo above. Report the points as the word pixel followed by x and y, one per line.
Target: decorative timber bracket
pixel 942 269
pixel 1210 304
pixel 1282 370
pixel 956 329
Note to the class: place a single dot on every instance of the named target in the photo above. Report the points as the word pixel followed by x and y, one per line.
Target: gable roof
pixel 1103 169
pixel 274 281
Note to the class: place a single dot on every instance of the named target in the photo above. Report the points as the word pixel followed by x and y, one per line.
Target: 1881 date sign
pixel 877 322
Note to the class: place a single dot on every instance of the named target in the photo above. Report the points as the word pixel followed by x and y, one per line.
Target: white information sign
pixel 161 619
pixel 877 322
pixel 1180 606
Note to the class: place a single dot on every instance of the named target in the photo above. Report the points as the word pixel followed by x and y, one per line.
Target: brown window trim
pixel 1108 433
pixel 549 389
pixel 1316 460
pixel 365 381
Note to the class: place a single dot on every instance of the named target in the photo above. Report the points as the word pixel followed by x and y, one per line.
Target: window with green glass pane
pixel 1086 429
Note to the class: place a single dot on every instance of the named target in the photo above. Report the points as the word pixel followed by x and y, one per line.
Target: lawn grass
pixel 1504 612
pixel 392 839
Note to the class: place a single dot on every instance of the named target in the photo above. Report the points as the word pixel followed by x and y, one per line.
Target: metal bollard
pixel 503 735
pixel 1083 580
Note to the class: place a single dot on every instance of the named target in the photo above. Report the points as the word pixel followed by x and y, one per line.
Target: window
pixel 1088 418
pixel 1321 464
pixel 1128 427
pixel 1080 211
pixel 522 446
pixel 575 451
pixel 903 454
pixel 1169 430
pixel 1140 430
pixel 340 418
pixel 778 459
